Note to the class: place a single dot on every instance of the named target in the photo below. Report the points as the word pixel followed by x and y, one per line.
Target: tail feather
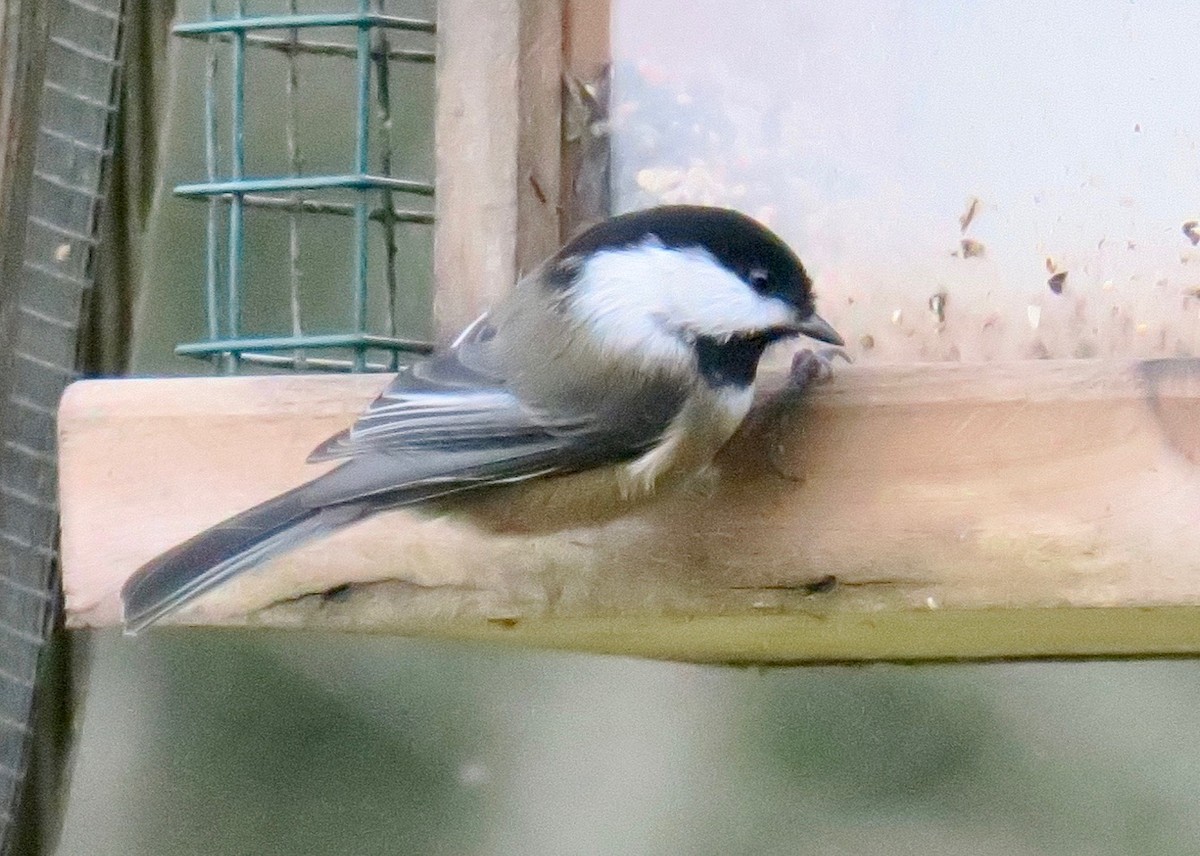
pixel 342 496
pixel 186 571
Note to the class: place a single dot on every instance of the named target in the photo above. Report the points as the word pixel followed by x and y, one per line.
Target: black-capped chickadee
pixel 620 365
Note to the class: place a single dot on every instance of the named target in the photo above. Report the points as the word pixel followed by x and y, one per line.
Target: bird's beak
pixel 816 327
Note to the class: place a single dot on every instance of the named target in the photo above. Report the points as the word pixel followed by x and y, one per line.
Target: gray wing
pixel 457 400
pixel 451 423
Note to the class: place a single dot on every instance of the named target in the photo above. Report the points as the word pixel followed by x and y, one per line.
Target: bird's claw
pixel 812 368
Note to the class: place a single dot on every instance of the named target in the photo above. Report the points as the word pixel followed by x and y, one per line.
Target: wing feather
pixel 451 423
pixel 455 401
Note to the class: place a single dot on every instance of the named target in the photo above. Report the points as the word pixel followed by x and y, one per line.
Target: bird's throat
pixel 732 361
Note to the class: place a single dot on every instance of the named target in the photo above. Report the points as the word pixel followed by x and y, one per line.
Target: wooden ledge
pixel 1034 509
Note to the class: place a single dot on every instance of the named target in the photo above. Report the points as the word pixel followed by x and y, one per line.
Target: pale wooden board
pixel 1025 509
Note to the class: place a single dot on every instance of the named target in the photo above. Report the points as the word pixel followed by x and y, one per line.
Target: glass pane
pixel 966 181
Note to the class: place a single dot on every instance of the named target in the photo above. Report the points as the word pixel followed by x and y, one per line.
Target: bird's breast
pixel 704 424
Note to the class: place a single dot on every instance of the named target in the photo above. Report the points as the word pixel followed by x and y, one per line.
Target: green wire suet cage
pixel 368 191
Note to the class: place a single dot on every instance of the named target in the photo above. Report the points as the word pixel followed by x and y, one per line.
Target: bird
pixel 615 370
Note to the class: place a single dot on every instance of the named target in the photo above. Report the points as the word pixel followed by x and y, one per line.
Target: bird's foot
pixel 813 368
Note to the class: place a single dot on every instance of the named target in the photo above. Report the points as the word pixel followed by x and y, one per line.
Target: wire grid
pixel 372 53
pixel 78 106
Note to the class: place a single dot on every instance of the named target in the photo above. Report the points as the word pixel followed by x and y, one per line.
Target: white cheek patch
pixel 640 298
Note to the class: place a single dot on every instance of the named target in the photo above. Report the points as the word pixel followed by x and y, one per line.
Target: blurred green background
pixel 232 742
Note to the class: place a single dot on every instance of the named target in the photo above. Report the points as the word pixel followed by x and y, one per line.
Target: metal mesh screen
pixel 77 108
pixel 368 191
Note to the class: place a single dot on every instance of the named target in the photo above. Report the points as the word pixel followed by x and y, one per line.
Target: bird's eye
pixel 759 278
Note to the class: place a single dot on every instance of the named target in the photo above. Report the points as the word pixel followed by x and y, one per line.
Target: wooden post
pixel 498 150
pixel 1040 509
pixel 587 142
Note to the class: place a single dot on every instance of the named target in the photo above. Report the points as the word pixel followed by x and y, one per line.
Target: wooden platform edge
pixel 1026 510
